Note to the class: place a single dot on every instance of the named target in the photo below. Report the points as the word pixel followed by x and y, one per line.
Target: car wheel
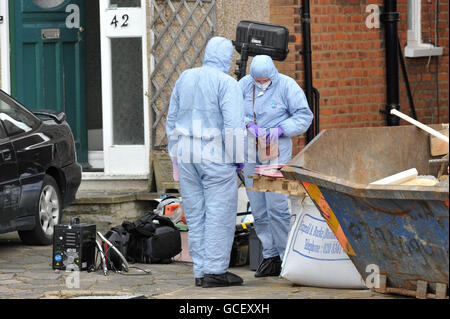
pixel 47 216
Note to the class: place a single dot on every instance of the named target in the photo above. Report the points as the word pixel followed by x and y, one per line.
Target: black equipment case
pixel 262 38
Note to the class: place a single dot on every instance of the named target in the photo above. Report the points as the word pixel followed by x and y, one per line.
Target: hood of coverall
pixel 263 67
pixel 219 54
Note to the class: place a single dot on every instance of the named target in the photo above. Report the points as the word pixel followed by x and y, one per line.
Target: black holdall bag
pixel 153 239
pixel 120 238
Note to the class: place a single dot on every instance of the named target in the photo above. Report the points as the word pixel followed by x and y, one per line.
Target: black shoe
pixel 223 280
pixel 199 282
pixel 269 267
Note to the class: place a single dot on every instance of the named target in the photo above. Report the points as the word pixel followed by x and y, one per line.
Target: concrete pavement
pixel 26 273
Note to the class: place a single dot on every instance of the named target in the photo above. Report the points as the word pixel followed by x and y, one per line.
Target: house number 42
pixel 116 22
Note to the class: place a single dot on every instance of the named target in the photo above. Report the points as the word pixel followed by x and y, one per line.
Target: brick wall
pixel 348 61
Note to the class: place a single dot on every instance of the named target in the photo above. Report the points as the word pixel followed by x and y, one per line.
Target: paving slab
pixel 26 273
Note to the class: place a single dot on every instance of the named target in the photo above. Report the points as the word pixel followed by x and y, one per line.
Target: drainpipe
pixel 307 62
pixel 390 18
pixel 405 78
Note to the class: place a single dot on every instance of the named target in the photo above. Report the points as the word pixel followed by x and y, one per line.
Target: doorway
pixel 94 88
pixel 48 54
pixel 88 59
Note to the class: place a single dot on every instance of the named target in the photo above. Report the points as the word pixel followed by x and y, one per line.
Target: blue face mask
pixel 263 86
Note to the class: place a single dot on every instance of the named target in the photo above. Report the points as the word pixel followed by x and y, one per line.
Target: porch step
pixel 97 182
pixel 108 209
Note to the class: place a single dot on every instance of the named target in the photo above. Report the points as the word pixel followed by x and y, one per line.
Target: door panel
pixel 49 60
pixel 124 81
pixel 34 153
pixel 9 183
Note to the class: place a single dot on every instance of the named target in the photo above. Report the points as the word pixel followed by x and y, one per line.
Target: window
pixel 16 120
pixel 128 95
pixel 48 4
pixel 415 47
pixel 125 3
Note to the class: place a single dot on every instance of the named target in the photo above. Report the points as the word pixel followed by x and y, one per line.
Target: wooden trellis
pixel 180 30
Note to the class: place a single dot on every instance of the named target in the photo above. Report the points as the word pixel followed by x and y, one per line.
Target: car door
pixel 28 161
pixel 9 182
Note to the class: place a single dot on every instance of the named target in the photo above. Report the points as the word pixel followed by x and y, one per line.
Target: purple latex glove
pixel 255 129
pixel 279 131
pixel 175 175
pixel 239 167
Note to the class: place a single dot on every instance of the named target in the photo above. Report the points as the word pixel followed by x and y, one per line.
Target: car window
pixel 15 120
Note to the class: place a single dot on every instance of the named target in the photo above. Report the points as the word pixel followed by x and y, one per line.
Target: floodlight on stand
pixel 259 38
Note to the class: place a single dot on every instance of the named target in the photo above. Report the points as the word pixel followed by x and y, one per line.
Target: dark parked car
pixel 39 173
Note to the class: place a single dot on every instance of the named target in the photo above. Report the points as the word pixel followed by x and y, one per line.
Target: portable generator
pixel 74 246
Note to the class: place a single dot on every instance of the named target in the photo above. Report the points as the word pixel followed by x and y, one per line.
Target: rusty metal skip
pixel 403 231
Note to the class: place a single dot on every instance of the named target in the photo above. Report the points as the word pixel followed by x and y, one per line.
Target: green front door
pixel 48 60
